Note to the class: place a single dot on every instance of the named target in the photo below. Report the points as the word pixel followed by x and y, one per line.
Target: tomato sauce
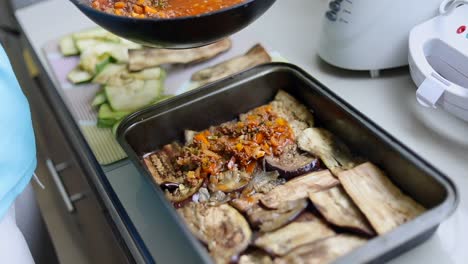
pixel 261 132
pixel 161 8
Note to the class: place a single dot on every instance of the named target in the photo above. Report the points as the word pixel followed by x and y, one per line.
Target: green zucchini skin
pixel 67 47
pixel 78 76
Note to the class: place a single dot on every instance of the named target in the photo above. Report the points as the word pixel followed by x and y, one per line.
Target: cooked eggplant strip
pixel 306 217
pixel 323 251
pixel 379 199
pixel 338 209
pixel 266 219
pixel 147 58
pixel 161 164
pixel 245 203
pixel 230 181
pixel 269 220
pixel 261 183
pixel 291 163
pixel 222 228
pixel 255 257
pixel 183 192
pixel 173 182
pixel 265 181
pixel 218 198
pixel 321 143
pixel 255 56
pixel 297 114
pixel 299 188
pixel 294 235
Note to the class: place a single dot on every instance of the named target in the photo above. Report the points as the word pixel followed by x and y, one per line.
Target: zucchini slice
pixel 103 52
pixel 111 70
pixel 129 44
pixel 95 65
pixel 156 73
pixel 90 61
pixel 67 46
pixel 99 99
pixel 83 44
pixel 96 33
pixel 78 76
pixel 118 52
pixel 132 94
pixel 107 113
pixel 104 60
pixel 105 123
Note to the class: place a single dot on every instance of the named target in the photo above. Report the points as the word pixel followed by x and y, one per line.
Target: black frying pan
pixel 179 33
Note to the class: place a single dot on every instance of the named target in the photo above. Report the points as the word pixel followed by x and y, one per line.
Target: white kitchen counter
pixel 291 27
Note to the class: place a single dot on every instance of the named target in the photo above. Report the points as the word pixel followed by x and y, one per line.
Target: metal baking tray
pixel 150 129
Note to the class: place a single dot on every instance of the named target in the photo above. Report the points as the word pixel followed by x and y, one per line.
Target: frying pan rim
pixel 90 9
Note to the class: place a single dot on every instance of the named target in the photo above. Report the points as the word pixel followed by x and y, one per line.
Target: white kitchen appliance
pixel 371 34
pixel 438 57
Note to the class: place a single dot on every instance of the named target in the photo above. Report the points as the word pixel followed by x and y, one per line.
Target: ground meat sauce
pixel 236 146
pixel 161 8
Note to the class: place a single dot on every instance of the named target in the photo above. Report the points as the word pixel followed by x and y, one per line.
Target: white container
pixel 371 34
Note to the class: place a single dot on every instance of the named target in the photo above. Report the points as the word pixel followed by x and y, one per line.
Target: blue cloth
pixel 17 144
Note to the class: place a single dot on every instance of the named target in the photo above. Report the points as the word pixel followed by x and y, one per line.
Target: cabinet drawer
pixel 98 235
pixel 78 201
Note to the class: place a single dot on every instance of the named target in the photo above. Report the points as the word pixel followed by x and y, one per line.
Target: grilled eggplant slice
pixel 323 251
pixel 265 181
pixel 299 188
pixel 230 181
pixel 182 192
pixel 255 56
pixel 262 182
pixel 269 220
pixel 294 235
pixel 266 219
pixel 161 164
pixel 297 115
pixel 292 163
pixel 222 228
pixel 245 203
pixel 379 199
pixel 337 208
pixel 324 145
pixel 255 257
pixel 218 198
pixel 148 58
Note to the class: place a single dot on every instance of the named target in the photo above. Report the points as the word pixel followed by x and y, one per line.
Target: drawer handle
pixel 67 199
